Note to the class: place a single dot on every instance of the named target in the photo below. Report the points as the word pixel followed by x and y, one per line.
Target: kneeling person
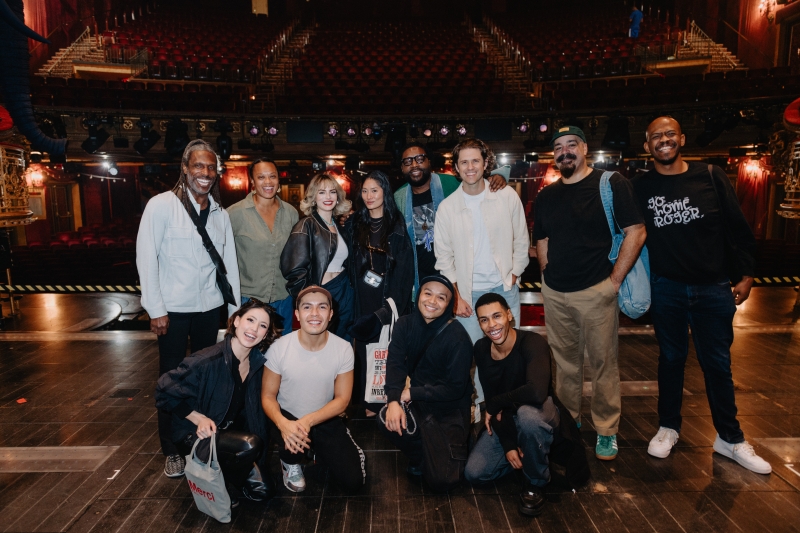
pixel 436 353
pixel 523 417
pixel 307 384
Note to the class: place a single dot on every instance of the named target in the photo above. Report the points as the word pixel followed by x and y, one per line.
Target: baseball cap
pixel 310 289
pixel 567 130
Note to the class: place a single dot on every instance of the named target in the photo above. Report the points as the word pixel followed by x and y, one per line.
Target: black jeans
pixel 202 329
pixel 709 310
pixel 334 448
pixel 439 446
pixel 237 452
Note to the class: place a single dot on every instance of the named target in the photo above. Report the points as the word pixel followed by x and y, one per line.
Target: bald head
pixel 664 140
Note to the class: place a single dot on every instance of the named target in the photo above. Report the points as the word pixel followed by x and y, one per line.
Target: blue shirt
pixel 636 18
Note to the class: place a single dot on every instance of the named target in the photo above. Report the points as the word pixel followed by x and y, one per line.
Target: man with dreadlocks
pixel 177 275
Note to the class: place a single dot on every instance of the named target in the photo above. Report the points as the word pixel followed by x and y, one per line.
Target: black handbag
pixel 222 273
pixel 732 260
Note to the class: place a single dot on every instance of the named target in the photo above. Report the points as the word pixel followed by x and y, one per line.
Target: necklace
pixel 373 225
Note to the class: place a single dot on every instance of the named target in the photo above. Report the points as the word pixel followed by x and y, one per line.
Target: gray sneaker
pixel 174 466
pixel 293 477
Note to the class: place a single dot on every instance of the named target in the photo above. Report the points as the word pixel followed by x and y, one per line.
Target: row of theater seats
pixel 671 90
pixel 65 265
pixel 134 95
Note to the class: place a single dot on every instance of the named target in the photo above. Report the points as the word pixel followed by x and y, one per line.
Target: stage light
pixel 367 130
pixel 524 126
pixel 461 130
pixel 176 137
pixel 97 137
pixel 224 146
pixel 333 129
pixel 149 137
pixel 444 130
pixel 254 130
pixel 351 131
pixel 272 130
pixel 376 131
pixel 317 165
pixel 427 132
pixel 543 127
pixel 36 157
pixel 503 159
pixel 111 168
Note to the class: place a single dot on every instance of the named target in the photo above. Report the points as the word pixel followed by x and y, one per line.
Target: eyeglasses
pixel 419 158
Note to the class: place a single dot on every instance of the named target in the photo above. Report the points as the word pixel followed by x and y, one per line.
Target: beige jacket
pixel 504 217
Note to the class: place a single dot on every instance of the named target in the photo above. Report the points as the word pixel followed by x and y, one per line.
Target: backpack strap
pixel 428 344
pixel 607 197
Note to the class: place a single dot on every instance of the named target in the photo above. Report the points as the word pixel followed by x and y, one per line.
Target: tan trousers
pixel 587 321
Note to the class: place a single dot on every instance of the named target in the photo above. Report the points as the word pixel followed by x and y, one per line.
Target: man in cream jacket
pixel 481 239
pixel 177 276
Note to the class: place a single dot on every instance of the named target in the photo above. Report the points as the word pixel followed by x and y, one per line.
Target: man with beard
pixel 428 419
pixel 418 201
pixel 177 275
pixel 580 284
pixel 688 209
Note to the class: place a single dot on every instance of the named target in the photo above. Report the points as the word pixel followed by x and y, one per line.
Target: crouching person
pixel 526 425
pixel 216 393
pixel 429 421
pixel 307 384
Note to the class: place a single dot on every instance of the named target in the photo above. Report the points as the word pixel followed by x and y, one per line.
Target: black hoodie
pixel 441 378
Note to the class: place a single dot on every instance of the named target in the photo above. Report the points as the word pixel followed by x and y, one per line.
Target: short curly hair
pixel 309 203
pixel 486 153
pixel 272 331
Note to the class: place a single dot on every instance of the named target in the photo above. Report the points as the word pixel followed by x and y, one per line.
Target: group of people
pixel 445 255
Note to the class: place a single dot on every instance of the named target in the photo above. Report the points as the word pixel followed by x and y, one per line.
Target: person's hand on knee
pixel 395 418
pixel 514 458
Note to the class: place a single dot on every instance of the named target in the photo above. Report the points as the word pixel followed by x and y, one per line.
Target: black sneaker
pixel 531 500
pixel 174 466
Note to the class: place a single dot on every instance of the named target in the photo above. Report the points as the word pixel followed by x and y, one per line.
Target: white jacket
pixel 504 218
pixel 175 271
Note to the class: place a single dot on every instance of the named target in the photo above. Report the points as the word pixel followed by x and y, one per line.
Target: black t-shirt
pixel 571 216
pixel 520 378
pixel 424 217
pixel 204 215
pixel 239 389
pixel 685 227
pixel 370 298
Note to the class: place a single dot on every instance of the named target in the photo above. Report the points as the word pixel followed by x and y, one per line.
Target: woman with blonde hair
pixel 316 253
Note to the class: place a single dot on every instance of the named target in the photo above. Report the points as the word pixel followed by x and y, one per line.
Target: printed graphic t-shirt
pixel 572 217
pixel 424 217
pixel 685 231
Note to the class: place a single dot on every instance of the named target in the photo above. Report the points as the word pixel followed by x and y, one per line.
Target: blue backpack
pixel 634 293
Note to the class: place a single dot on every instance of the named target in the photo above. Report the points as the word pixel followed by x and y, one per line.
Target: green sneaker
pixel 606 449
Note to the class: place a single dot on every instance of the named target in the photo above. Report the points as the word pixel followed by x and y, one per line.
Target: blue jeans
pixel 535 429
pixel 284 308
pixel 708 310
pixel 474 329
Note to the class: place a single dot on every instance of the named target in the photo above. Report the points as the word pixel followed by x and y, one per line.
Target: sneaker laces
pixel 744 448
pixel 293 471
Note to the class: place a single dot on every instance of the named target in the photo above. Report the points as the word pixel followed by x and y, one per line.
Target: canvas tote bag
pixel 207 484
pixel 376 361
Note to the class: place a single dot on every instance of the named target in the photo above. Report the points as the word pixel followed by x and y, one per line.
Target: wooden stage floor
pixel 96 389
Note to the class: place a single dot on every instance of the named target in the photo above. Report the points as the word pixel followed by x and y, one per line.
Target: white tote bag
pixel 207 484
pixel 376 361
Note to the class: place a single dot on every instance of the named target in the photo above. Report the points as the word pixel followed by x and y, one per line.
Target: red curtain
pixel 753 193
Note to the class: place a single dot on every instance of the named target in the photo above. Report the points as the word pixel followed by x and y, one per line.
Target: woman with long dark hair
pixel 381 267
pixel 216 393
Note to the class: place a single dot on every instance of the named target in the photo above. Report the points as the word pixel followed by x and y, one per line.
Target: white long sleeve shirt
pixel 175 270
pixel 504 218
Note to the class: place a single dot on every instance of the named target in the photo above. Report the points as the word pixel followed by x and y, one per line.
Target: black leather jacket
pixel 307 253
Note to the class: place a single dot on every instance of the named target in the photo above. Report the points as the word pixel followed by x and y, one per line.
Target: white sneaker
pixel 662 443
pixel 743 454
pixel 293 478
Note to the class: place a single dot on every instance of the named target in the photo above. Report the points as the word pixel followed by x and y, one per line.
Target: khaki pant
pixel 586 320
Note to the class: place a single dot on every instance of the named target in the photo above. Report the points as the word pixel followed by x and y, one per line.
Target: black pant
pixel 237 452
pixel 334 448
pixel 439 445
pixel 202 329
